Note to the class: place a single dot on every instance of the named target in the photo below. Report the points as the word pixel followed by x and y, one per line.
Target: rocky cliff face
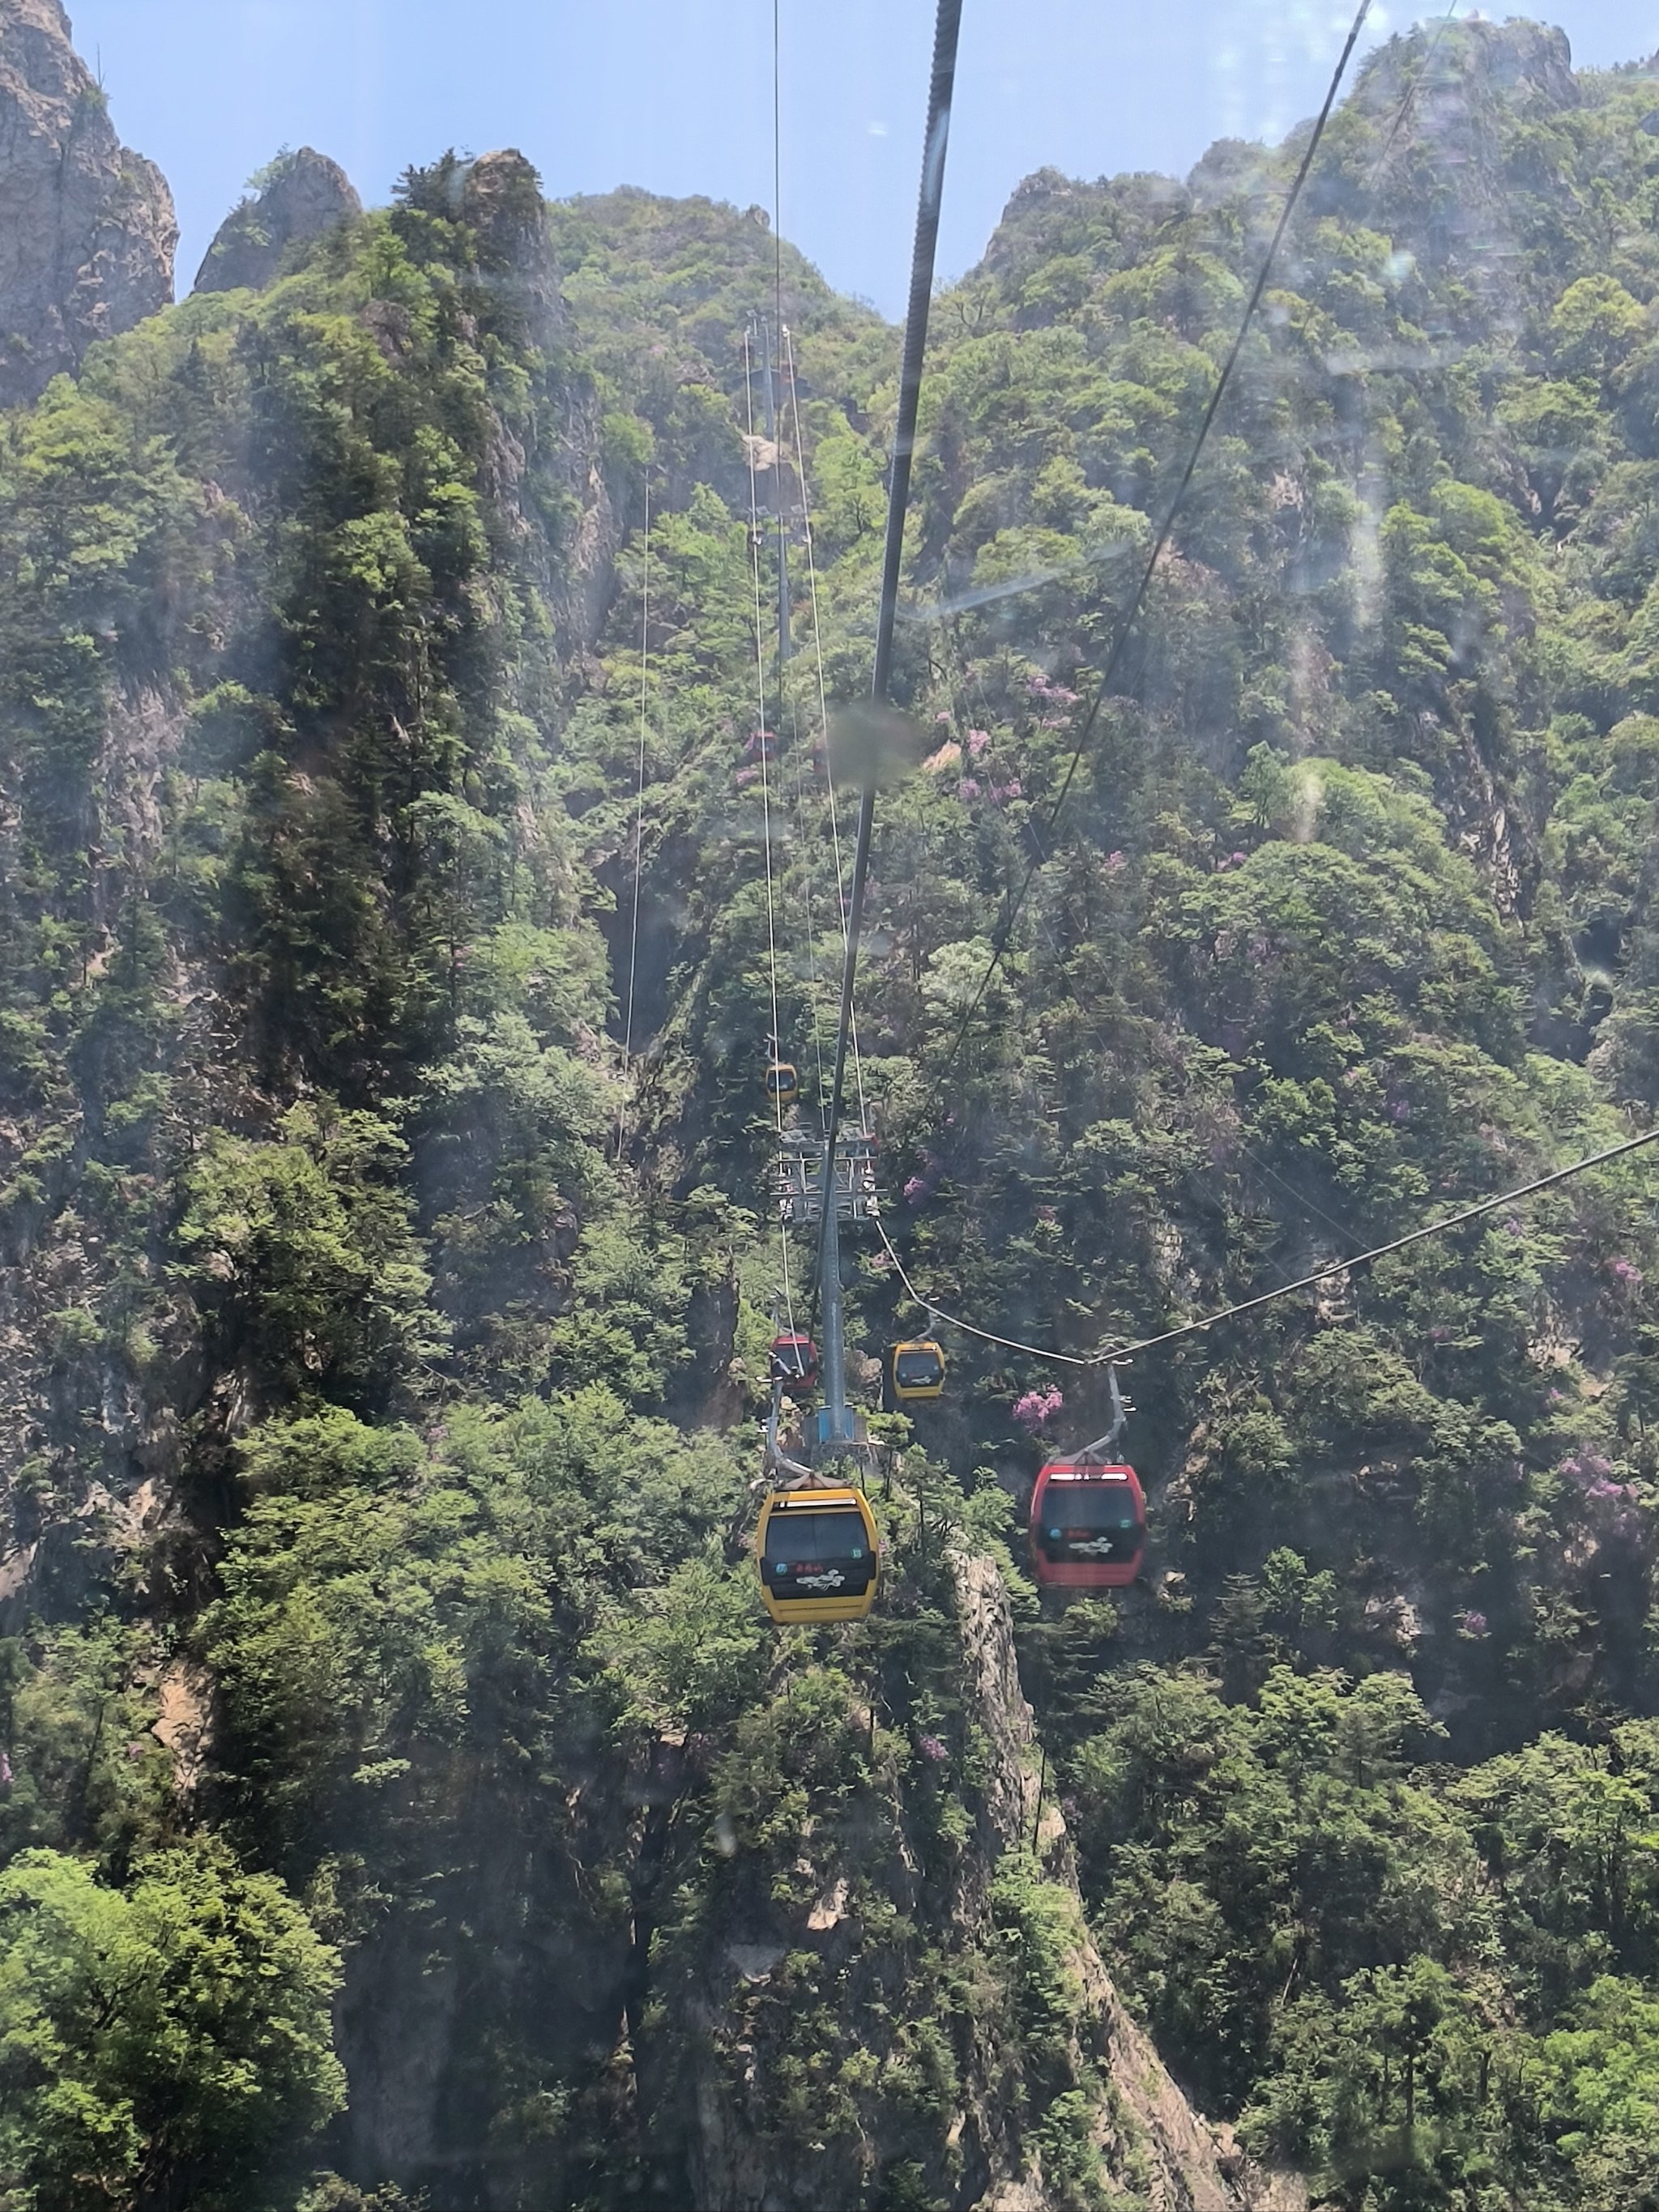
pixel 839 1955
pixel 87 228
pixel 1147 2134
pixel 501 199
pixel 299 196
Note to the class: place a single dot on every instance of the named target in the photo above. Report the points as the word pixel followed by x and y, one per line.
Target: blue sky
pixel 675 95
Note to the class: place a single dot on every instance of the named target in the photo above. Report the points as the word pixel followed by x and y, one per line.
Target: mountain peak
pixel 86 225
pixel 296 197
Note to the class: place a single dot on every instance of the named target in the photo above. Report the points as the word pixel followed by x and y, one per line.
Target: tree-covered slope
pixel 404 1783
pixel 1345 926
pixel 400 1777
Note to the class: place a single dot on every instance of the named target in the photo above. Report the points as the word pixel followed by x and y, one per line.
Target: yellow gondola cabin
pixel 818 1554
pixel 915 1370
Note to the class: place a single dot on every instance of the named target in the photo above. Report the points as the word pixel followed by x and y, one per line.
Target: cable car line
pixel 802 831
pixel 812 931
pixel 823 708
pixel 1091 1027
pixel 760 688
pixel 776 432
pixel 1126 626
pixel 778 1100
pixel 946 28
pixel 777 405
pixel 1118 1354
pixel 803 820
pixel 971 1328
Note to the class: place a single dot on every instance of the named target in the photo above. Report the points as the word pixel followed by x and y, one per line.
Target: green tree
pixel 168 2042
pixel 302 1244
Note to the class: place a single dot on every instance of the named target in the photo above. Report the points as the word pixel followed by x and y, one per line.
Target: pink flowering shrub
pixel 1036 1407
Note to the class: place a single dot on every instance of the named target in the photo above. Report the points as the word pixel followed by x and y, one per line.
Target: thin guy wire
pixel 777 185
pixel 967 675
pixel 1126 626
pixel 639 814
pixel 1396 1244
pixel 803 831
pixel 785 694
pixel 1411 91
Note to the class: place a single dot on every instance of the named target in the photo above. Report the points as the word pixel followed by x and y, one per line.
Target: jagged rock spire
pixel 86 225
pixel 301 195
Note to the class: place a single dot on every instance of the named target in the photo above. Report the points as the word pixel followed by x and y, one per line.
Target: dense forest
pixel 405 1801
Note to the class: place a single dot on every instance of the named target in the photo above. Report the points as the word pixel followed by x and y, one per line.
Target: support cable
pixel 803 828
pixel 774 362
pixel 970 1328
pixel 1115 1354
pixel 946 28
pixel 1126 626
pixel 803 832
pixel 824 707
pixel 766 796
pixel 1395 1244
pixel 965 676
pixel 773 408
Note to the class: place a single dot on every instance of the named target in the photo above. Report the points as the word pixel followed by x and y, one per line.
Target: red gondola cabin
pixel 1088 1526
pixel 794 1359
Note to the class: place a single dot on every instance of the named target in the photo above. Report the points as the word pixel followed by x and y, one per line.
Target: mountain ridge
pixel 386 1303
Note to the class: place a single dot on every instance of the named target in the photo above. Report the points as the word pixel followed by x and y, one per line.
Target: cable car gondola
pixel 817 1553
pixel 1088 1526
pixel 761 745
pixel 794 1359
pixel 915 1370
pixel 782 1084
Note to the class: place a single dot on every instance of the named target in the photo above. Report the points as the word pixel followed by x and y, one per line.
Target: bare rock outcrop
pixel 299 196
pixel 86 226
pixel 826 1918
pixel 502 201
pixel 1185 2165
